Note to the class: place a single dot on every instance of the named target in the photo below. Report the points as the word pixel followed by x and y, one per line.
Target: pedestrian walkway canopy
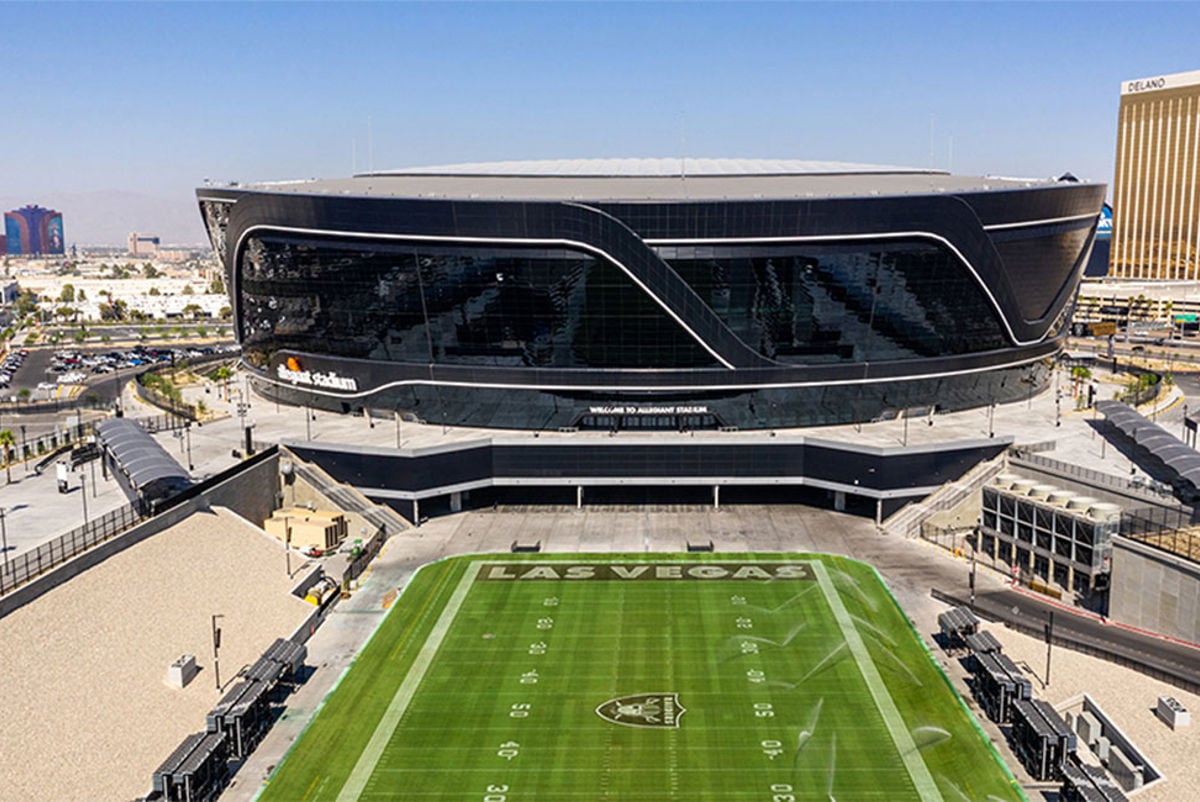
pixel 141 466
pixel 1179 462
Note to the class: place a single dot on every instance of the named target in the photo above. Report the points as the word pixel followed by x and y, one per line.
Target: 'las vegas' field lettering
pixel 643 571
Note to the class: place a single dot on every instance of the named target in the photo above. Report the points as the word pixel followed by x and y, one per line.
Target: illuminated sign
pixel 1104 226
pixel 291 371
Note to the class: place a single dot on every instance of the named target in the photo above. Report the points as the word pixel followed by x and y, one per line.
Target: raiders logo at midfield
pixel 651 710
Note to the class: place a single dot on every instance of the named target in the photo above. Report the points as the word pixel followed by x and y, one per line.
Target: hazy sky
pixel 153 98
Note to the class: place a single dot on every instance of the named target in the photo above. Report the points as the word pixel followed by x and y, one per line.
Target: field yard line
pixel 917 770
pixel 357 781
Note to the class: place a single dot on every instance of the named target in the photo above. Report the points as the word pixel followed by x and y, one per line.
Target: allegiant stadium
pixel 640 294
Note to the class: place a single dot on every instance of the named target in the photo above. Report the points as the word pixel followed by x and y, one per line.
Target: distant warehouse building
pixel 1156 222
pixel 652 293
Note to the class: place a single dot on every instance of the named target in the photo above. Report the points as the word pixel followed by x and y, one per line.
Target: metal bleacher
pixel 198 768
pixel 1041 739
pixel 957 624
pixel 999 683
pixel 195 772
pixel 1085 783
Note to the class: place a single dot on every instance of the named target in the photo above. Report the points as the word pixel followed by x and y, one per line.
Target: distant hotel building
pixel 143 244
pixel 1156 224
pixel 33 231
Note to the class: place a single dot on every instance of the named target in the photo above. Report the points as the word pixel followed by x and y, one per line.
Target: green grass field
pixel 770 678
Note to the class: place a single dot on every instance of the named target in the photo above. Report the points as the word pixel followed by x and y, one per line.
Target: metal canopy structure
pixel 143 468
pixel 1178 460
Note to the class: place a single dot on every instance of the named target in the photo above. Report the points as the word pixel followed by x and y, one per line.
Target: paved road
pixel 1166 657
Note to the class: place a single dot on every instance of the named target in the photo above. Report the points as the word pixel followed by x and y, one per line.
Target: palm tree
pixel 7 441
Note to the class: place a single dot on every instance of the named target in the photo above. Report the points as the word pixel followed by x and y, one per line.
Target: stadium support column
pixel 878 512
pixel 839 500
pixel 716 497
pixel 579 497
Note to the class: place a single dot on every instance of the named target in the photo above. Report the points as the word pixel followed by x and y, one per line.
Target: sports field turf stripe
pixel 962 705
pixel 447 568
pixel 357 781
pixel 917 770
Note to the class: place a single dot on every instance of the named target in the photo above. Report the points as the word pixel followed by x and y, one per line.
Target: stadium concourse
pixel 1047 419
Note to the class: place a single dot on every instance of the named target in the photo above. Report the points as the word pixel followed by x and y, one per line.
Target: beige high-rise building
pixel 1156 211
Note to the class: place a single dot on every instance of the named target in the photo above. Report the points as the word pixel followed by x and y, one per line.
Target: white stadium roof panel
pixel 654 167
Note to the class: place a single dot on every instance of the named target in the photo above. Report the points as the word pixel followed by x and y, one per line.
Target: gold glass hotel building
pixel 1156 212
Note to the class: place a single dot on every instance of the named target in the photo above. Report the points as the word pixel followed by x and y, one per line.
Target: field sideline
pixel 644 677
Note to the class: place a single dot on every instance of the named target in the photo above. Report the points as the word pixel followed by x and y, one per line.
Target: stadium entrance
pixel 658 418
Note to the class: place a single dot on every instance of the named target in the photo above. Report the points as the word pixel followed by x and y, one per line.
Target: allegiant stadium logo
pixel 290 370
pixel 649 710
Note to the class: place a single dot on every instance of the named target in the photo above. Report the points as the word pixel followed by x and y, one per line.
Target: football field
pixel 768 677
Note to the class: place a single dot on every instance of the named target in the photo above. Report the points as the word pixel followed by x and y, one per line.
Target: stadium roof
pixel 671 167
pixel 633 180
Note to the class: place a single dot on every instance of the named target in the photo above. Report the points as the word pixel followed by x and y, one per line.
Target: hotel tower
pixel 1156 217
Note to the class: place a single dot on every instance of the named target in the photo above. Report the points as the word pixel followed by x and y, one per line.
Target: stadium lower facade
pixel 652 294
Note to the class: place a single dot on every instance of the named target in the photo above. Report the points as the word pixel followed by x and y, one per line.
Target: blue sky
pixel 152 98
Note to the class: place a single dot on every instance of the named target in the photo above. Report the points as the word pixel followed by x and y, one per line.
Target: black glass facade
pixel 806 304
pixel 655 315
pixel 431 304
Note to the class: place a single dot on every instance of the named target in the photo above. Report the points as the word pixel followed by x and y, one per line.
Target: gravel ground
pixel 1128 698
pixel 88 714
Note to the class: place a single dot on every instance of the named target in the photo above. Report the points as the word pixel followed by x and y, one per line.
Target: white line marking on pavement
pixel 367 761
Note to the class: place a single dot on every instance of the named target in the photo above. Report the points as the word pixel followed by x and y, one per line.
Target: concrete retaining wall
pixel 250 494
pixel 1155 590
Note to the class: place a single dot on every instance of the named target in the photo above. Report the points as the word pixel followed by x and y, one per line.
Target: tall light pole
pixel 216 637
pixel 287 543
pixel 4 538
pixel 83 494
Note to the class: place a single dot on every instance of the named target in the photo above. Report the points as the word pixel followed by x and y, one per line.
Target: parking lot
pixel 43 371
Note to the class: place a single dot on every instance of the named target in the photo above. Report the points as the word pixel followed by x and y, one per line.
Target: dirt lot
pixel 88 714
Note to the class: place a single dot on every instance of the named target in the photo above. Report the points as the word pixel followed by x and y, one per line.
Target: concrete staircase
pixel 348 499
pixel 906 521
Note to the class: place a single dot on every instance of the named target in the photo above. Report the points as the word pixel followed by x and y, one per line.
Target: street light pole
pixel 187 429
pixel 1049 644
pixel 83 494
pixel 4 536
pixel 216 640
